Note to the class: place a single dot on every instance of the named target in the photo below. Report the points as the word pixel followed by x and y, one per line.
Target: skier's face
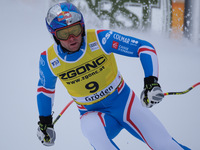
pixel 70 36
pixel 73 43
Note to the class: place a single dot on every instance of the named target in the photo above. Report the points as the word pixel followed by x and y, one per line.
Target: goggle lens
pixel 64 33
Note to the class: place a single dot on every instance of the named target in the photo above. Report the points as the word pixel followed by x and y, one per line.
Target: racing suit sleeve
pixel 46 87
pixel 113 42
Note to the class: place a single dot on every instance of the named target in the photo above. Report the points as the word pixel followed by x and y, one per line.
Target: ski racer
pixel 84 62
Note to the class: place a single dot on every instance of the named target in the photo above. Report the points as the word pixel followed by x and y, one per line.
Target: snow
pixel 24 36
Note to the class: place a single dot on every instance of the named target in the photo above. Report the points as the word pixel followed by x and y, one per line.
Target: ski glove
pixel 152 93
pixel 45 131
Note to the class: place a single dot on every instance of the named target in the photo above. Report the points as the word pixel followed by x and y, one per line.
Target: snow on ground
pixel 24 36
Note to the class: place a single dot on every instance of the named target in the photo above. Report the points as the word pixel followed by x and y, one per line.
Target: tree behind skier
pixel 84 62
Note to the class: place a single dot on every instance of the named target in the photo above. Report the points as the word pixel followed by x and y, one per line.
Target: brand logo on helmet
pixel 64 15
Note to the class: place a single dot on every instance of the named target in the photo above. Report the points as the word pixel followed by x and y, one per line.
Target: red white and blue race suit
pixel 106 103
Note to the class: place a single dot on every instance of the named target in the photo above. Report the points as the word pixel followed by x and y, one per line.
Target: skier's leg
pixel 142 121
pixel 100 129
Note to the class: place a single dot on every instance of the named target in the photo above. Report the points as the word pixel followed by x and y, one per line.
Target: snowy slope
pixel 24 36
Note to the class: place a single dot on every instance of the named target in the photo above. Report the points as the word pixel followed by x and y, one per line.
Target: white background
pixel 24 36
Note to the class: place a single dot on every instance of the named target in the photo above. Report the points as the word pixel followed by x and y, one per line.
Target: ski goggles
pixel 65 32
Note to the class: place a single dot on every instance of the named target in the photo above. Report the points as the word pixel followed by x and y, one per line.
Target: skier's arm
pixel 113 42
pixel 46 88
pixel 148 58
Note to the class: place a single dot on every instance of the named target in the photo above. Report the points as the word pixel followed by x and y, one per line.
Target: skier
pixel 84 62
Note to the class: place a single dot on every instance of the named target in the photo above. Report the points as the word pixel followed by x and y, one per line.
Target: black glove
pixel 45 132
pixel 152 93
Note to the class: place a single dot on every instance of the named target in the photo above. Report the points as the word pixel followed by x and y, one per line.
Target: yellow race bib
pixel 94 73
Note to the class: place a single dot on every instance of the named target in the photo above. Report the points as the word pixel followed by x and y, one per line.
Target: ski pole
pixel 62 112
pixel 168 93
pixel 183 92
